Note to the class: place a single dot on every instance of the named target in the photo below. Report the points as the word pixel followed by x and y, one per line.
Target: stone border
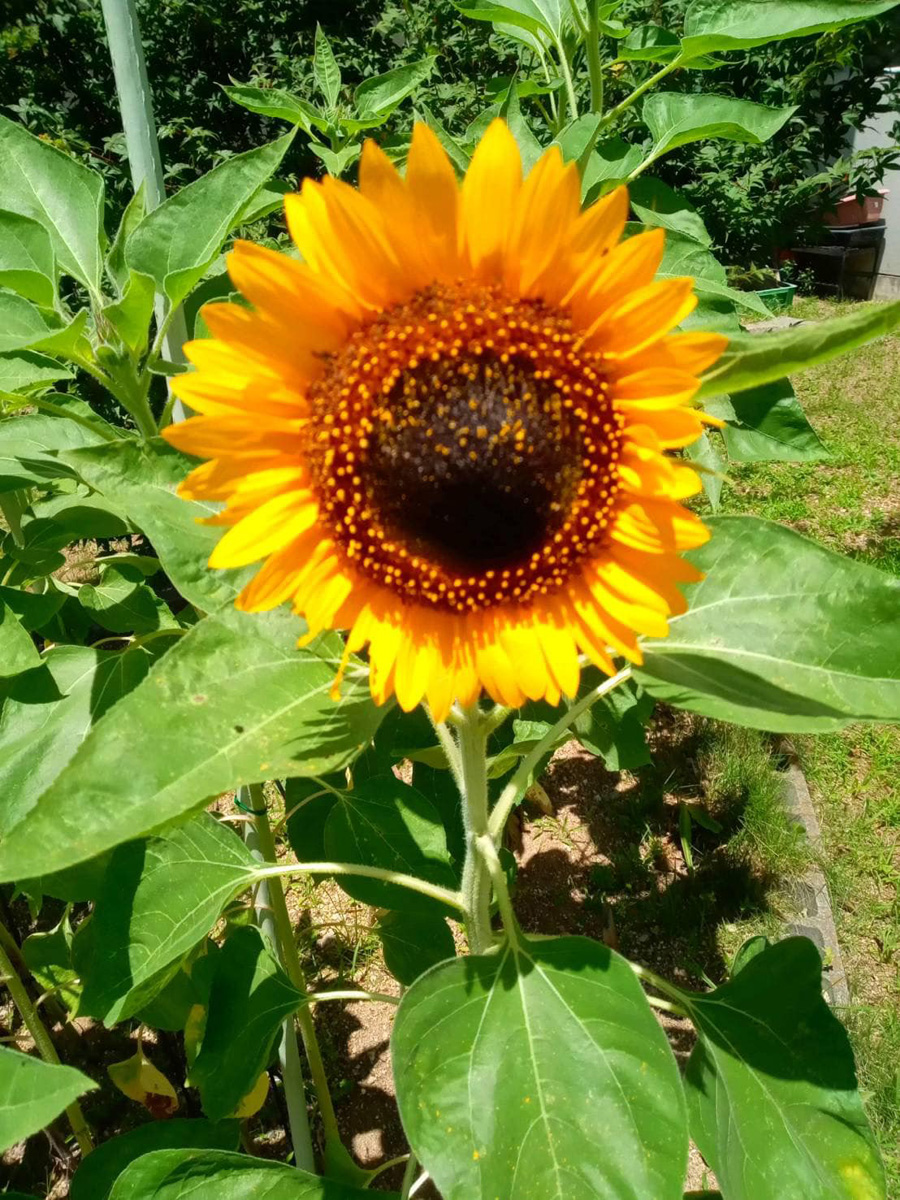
pixel 814 919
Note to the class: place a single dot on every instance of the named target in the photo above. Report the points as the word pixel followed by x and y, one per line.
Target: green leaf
pixel 379 96
pixel 158 899
pixel 307 803
pixel 22 324
pixel 729 25
pixel 615 727
pixel 130 316
pixel 41 182
pixel 782 634
pixel 413 942
pixel 174 887
pixel 326 69
pixel 530 149
pixel 134 213
pixel 33 1093
pixel 29 445
pixel 385 823
pixel 676 118
pixel 773 427
pixel 47 715
pixel 98 1172
pixel 219 1175
pixel 539 1071
pixel 751 360
pixel 123 603
pixel 17 651
pixel 26 371
pixel 649 43
pixel 610 163
pixel 684 255
pixel 772 1095
pixel 233 702
pixel 249 998
pixel 27 261
pixel 139 479
pixel 705 457
pixel 457 155
pixel 278 104
pixel 336 161
pixel 49 959
pixel 658 204
pixel 177 243
pixel 33 609
pixel 547 18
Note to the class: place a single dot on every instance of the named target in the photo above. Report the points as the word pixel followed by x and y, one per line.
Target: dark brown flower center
pixel 464 449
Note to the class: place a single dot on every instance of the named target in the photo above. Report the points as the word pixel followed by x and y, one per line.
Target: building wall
pixel 877 133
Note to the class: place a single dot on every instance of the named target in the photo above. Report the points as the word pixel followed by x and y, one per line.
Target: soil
pixel 598 855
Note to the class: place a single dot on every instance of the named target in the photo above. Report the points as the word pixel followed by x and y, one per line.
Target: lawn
pixel 852 503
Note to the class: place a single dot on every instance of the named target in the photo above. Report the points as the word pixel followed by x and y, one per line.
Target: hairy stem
pixel 41 1037
pixel 517 784
pixel 615 113
pixel 488 852
pixel 662 985
pixel 258 836
pixel 595 67
pixel 476 883
pixel 409 1176
pixel 353 994
pixel 566 69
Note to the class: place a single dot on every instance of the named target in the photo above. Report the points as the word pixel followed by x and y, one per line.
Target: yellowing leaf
pixel 193 1033
pixel 255 1098
pixel 139 1080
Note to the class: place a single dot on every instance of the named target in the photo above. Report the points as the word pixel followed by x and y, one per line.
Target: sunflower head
pixel 446 429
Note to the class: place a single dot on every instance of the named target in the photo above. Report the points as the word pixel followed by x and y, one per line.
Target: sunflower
pixel 445 429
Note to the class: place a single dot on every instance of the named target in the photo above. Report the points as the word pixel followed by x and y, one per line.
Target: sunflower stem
pixel 615 113
pixel 40 1036
pixel 444 895
pixel 519 781
pixel 592 48
pixel 476 881
pixel 275 923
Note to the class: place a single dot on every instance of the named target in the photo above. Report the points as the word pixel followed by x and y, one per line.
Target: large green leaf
pixel 541 18
pixel 413 942
pixel 26 371
pixel 376 98
pixel 122 601
pixel 782 634
pixel 658 204
pixel 684 255
pixel 772 1095
pixel 27 261
pixel 539 1071
pixel 219 1175
pixel 33 1093
pixel 277 103
pixel 54 189
pixel 139 479
pixel 385 823
pixel 751 360
pixel 610 163
pixel 159 898
pixel 22 324
pixel 99 1171
pixel 326 69
pixel 233 702
pixel 48 713
pixel 773 427
pixel 676 118
pixel 742 24
pixel 249 998
pixel 33 609
pixel 177 242
pixel 17 651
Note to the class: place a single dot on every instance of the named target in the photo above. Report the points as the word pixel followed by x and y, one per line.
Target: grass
pixel 852 504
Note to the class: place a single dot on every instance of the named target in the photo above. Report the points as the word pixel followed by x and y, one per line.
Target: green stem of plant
pixel 592 49
pixel 662 985
pixel 615 113
pixel 260 842
pixel 41 1038
pixel 488 852
pixel 476 883
pixel 409 1176
pixel 518 782
pixel 353 994
pixel 291 962
pixel 566 68
pixel 444 895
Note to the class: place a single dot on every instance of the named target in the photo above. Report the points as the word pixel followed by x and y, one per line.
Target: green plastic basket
pixel 778 299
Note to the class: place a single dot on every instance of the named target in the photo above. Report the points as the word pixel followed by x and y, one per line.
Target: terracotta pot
pixel 850 212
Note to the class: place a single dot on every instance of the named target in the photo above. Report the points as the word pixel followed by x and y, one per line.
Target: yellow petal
pixel 489 194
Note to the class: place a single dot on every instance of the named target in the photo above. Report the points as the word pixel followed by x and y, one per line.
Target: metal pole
pixel 123 33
